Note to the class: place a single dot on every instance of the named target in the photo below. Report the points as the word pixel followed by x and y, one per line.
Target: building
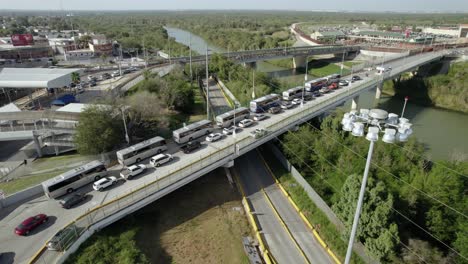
pixel 38 48
pixel 446 31
pixel 463 31
pixel 326 36
pixel 98 46
pixel 378 36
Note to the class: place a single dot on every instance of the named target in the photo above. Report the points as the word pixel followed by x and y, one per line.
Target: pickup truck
pixel 191 146
pixel 132 171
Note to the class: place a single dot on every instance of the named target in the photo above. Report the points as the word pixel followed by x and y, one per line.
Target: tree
pixel 420 251
pixel 376 229
pixel 100 130
pixel 75 77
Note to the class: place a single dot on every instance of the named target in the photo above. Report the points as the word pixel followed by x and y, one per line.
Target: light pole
pixel 305 80
pixel 404 106
pixel 377 120
pixel 125 125
pixel 207 88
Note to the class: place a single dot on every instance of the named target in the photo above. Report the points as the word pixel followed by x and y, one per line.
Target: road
pixel 218 101
pixel 25 247
pixel 254 177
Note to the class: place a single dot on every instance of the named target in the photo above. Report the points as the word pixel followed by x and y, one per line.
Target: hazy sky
pixel 353 5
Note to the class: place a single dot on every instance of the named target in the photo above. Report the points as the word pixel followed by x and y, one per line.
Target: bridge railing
pixel 192 164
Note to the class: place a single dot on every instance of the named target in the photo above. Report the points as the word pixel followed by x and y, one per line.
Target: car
pixel 324 90
pixel 333 86
pixel 274 110
pixel 91 78
pixel 285 105
pixel 115 74
pixel 92 83
pixel 214 137
pixel 132 171
pixel 343 83
pixel 258 133
pixel 79 89
pixel 191 146
pixel 105 76
pixel 246 123
pixel 308 96
pixel 103 183
pixel 356 78
pixel 160 159
pixel 72 200
pixel 316 93
pixel 30 224
pixel 126 71
pixel 259 117
pixel 62 239
pixel 133 69
pixel 229 130
pixel 297 101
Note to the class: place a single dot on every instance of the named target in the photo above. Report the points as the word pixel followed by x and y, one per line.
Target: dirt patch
pixel 200 223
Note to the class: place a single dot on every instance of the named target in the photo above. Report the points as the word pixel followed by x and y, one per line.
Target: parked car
pixel 214 137
pixel 103 183
pixel 115 74
pixel 229 130
pixel 343 83
pixel 191 146
pixel 160 159
pixel 297 101
pixel 259 117
pixel 132 171
pixel 246 123
pixel 356 78
pixel 30 224
pixel 72 200
pixel 258 133
pixel 333 86
pixel 62 239
pixel 105 76
pixel 274 110
pixel 286 104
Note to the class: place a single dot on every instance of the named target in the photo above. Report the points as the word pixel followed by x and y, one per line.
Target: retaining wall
pixel 22 196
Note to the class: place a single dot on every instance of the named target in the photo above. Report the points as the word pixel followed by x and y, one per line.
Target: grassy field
pixel 27 181
pixel 320 68
pixel 317 218
pixel 202 222
pixel 199 106
pixel 58 161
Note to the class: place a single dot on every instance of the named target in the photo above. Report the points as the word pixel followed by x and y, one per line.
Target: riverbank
pixel 444 91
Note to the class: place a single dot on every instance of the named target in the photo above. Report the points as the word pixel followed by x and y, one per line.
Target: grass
pixel 198 223
pixel 199 111
pixel 58 161
pixel 320 68
pixel 316 217
pixel 27 181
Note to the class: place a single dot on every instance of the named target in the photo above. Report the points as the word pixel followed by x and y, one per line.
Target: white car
pixel 214 137
pixel 297 101
pixel 343 83
pixel 259 117
pixel 132 171
pixel 160 159
pixel 115 74
pixel 258 133
pixel 246 123
pixel 104 183
pixel 229 130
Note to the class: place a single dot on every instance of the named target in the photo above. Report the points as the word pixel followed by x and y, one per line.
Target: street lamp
pixel 376 121
pixel 305 80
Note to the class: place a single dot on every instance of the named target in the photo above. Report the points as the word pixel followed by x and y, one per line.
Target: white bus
pixel 192 131
pixel 141 151
pixel 71 180
pixel 227 119
pixel 264 103
pixel 293 93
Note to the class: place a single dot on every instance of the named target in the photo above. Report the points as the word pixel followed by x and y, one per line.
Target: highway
pixel 265 197
pixel 185 166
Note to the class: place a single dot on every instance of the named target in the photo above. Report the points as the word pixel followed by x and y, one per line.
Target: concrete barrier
pixel 226 91
pixel 22 196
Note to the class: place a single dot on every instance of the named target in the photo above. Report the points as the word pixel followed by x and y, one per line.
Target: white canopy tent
pixel 36 77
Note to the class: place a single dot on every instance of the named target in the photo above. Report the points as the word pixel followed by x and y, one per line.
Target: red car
pixel 29 224
pixel 333 86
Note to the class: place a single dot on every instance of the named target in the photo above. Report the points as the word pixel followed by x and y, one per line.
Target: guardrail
pixel 193 166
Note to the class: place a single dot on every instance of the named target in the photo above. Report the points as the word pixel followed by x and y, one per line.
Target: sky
pixel 306 5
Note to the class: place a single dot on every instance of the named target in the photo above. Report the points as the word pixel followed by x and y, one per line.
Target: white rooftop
pixel 35 77
pixel 11 107
pixel 77 107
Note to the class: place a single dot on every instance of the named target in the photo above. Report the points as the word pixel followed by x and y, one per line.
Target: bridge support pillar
pixel 37 144
pixel 378 91
pixel 228 175
pixel 354 103
pixel 299 62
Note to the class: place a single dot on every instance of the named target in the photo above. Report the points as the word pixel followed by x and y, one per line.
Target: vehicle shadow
pixel 7 257
pixel 50 222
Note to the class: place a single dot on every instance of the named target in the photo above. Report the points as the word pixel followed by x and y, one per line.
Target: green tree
pixel 420 251
pixel 100 130
pixel 75 77
pixel 376 230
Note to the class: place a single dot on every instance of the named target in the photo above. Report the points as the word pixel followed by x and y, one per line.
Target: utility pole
pixel 253 84
pixel 207 88
pixel 342 64
pixel 190 55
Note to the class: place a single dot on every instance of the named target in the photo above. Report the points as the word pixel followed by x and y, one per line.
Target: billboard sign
pixel 22 39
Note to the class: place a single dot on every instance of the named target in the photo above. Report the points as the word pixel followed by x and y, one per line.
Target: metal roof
pixel 332 33
pixel 381 34
pixel 35 77
pixel 39 115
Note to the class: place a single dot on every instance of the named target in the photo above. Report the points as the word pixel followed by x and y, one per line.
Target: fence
pixel 194 166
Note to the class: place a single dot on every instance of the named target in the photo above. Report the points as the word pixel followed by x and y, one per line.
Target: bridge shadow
pixel 167 215
pixel 7 257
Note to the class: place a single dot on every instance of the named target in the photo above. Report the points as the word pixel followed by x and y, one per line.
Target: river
pixel 443 132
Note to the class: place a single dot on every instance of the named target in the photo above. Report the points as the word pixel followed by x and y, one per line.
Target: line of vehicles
pixel 131 157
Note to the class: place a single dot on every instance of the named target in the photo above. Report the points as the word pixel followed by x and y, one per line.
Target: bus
pixel 293 93
pixel 227 119
pixel 315 85
pixel 192 131
pixel 71 180
pixel 141 151
pixel 264 103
